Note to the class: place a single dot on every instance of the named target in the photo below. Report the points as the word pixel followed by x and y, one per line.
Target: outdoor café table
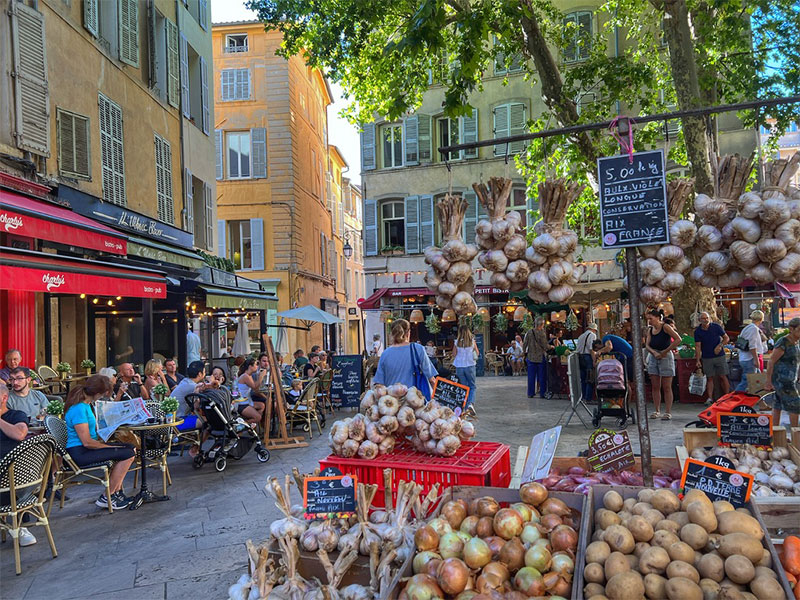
pixel 66 381
pixel 145 495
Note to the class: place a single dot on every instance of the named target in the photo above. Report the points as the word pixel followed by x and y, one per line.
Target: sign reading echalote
pixel 329 497
pixel 633 200
pixel 450 394
pixel 540 454
pixel 348 381
pixel 610 450
pixel 719 483
pixel 744 428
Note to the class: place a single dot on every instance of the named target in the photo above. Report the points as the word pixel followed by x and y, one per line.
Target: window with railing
pixel 235 43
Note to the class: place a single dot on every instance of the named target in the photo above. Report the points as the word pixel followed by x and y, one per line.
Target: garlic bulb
pixel 484 228
pixel 515 247
pixel 728 234
pixel 701 201
pixel 794 208
pixel 560 272
pixel 539 281
pixel 696 274
pixel 652 295
pixel 464 303
pixel 708 238
pixel 762 274
pixel 770 250
pixel 442 301
pixel 546 244
pixel 670 256
pixel 518 271
pixel 651 271
pixel 682 233
pixel 455 251
pixel 539 297
pixel 447 288
pixel 775 211
pixel 788 267
pixel 499 280
pixel 493 260
pixel 715 263
pixel 432 280
pixel 567 243
pixel 746 229
pixel 750 205
pixel 560 293
pixel 731 278
pixel 648 251
pixel 534 257
pixel 502 230
pixel 672 281
pixel 788 233
pixel 744 254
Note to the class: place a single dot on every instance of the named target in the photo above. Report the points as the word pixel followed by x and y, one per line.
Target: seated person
pixel 252 404
pixel 22 397
pixel 293 395
pixel 130 382
pixel 171 373
pixel 13 359
pixel 299 359
pixel 191 384
pixel 218 378
pixel 154 375
pixel 83 444
pixel 312 368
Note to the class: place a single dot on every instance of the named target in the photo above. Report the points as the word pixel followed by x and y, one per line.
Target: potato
pixel 629 503
pixel 741 543
pixel 680 517
pixel 633 561
pixel 702 513
pixel 615 563
pixel 640 548
pixel 646 495
pixel 654 560
pixel 680 588
pixel 599 597
pixel 619 539
pixel 681 551
pixel 721 506
pixel 745 510
pixel 653 516
pixel 694 535
pixel 765 572
pixel 597 536
pixel 748 596
pixel 678 568
pixel 733 522
pixel 767 588
pixel 729 593
pixel 664 539
pixel 694 495
pixel 654 586
pixel 594 573
pixel 666 501
pixel 713 542
pixel 612 501
pixel 739 569
pixel 711 566
pixel 604 518
pixel 766 559
pixel 597 552
pixel 667 525
pixel 640 529
pixel 728 583
pixel 593 589
pixel 640 507
pixel 625 586
pixel 710 589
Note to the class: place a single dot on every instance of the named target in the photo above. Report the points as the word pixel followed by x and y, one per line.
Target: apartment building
pixel 353 280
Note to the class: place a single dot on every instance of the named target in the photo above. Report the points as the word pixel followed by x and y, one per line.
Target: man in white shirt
pixel 748 359
pixel 192 347
pixel 584 349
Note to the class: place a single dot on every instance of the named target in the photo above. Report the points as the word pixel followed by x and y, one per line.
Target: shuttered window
pixel 426 222
pixel 514 65
pixel 90 18
pixel 368 146
pixel 166 204
pixel 129 32
pixel 411 136
pixel 203 14
pixel 112 151
pixel 257 232
pixel 173 65
pixel 208 199
pixel 219 149
pixel 204 101
pixel 412 224
pixel 184 58
pixel 31 92
pixel 509 119
pixel 580 35
pixel 188 194
pixel 73 144
pixel 370 228
pixel 258 137
pixel 235 84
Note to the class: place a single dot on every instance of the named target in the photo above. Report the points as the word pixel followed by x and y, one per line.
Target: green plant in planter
pixel 477 323
pixel 527 323
pixel 160 390
pixel 432 324
pixel 500 323
pixel 55 408
pixel 571 323
pixel 169 405
pixel 87 364
pixel 64 368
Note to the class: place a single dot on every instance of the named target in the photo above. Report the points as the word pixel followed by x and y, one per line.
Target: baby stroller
pixel 612 390
pixel 232 437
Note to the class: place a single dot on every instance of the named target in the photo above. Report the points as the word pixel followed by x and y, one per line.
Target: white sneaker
pixel 26 538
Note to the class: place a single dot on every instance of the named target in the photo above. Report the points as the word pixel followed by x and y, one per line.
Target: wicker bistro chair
pixel 494 362
pixel 158 444
pixel 23 482
pixel 190 437
pixel 306 408
pixel 324 391
pixel 68 473
pixel 56 387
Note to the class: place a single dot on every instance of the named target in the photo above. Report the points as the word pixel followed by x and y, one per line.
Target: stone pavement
pixel 193 545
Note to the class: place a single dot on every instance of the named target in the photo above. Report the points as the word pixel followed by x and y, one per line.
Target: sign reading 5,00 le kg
pixel 633 200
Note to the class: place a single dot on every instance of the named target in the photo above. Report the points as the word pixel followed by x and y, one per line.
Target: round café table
pixel 65 381
pixel 145 494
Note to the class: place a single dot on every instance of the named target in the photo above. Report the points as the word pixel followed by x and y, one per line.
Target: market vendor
pixel 709 350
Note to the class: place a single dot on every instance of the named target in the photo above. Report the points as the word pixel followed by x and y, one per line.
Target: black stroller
pixel 232 437
pixel 611 385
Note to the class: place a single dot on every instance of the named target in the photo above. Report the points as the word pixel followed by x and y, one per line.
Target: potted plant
pixel 500 323
pixel 88 364
pixel 432 324
pixel 170 406
pixel 160 392
pixel 64 369
pixel 55 408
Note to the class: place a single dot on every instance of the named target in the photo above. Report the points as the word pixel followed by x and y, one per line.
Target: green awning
pixel 163 253
pixel 235 299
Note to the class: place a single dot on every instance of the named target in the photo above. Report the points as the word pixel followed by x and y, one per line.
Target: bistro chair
pixel 46 373
pixel 157 446
pixel 306 408
pixel 494 362
pixel 23 482
pixel 68 473
pixel 189 437
pixel 324 391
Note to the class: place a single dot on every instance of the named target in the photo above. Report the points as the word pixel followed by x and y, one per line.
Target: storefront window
pixel 124 338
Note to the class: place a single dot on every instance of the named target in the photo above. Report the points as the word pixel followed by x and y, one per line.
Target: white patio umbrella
pixel 309 315
pixel 282 340
pixel 241 343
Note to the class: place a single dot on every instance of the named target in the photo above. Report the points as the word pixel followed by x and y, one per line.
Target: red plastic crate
pixel 482 464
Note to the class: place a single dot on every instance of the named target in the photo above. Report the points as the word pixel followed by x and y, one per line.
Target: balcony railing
pixel 234 49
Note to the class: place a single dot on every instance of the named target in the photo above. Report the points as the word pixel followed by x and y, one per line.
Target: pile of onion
pixel 551 257
pixel 450 271
pixel 479 548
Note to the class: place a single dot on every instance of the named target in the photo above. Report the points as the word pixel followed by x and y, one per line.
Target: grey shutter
pixel 257 243
pixel 469 133
pixel 112 151
pixel 241 84
pixel 218 144
pixel 410 133
pixel 204 95
pixel 188 194
pixel 368 147
pixel 32 95
pixel 203 10
pixel 258 152
pixel 471 216
pixel 517 62
pixel 151 46
pixel 412 224
pixel 90 21
pixel 209 206
pixel 426 227
pixel 227 84
pixel 129 32
pixel 166 202
pixel 584 23
pixel 173 64
pixel 323 254
pixel 184 56
pixel 221 249
pixel 73 144
pixel 370 228
pixel 516 126
pixel 332 263
pixel 424 138
pixel 500 127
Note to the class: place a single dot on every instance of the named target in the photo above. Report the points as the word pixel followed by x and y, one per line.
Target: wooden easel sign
pixel 283 440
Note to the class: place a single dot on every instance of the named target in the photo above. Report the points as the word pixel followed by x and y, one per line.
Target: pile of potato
pixel 659 546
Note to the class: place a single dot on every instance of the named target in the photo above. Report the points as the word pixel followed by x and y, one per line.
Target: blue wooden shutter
pixel 469 133
pixel 410 139
pixel 368 147
pixel 258 136
pixel 222 250
pixel 500 127
pixel 370 228
pixel 412 224
pixel 204 95
pixel 218 144
pixel 424 138
pixel 257 243
pixel 426 219
pixel 517 125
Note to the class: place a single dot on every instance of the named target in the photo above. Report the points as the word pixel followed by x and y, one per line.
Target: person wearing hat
pixel 111 374
pixel 584 349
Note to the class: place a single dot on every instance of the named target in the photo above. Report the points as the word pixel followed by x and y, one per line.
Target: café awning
pixel 37 272
pixel 219 297
pixel 24 216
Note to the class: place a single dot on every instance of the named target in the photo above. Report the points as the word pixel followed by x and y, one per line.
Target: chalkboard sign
pixel 480 364
pixel 348 380
pixel 721 461
pixel 329 497
pixel 633 200
pixel 719 483
pixel 744 428
pixel 450 394
pixel 610 450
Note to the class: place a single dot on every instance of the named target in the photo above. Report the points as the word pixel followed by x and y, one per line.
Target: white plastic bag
pixel 697 383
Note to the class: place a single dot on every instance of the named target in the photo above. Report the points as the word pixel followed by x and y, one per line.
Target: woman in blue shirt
pixel 395 363
pixel 83 444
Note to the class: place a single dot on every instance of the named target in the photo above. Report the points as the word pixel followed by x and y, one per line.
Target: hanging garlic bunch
pixel 290 526
pixel 500 236
pixel 551 256
pixel 450 272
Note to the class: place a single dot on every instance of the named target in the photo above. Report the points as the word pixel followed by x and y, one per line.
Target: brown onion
pixel 485 527
pixel 554 506
pixel 564 537
pixel 514 595
pixel 533 493
pixel 529 581
pixel 453 576
pixel 422 559
pixel 512 554
pixel 470 525
pixel 497 569
pixel 426 538
pixel 463 503
pixel 440 526
pixel 562 588
pixel 477 553
pixel 423 587
pixel 451 545
pixel 454 513
pixel 487 507
pixel 525 511
pixel 508 523
pixel 495 544
pixel 563 564
pixel 465 595
pixel 432 567
pixel 549 522
pixel 473 507
pixel 486 582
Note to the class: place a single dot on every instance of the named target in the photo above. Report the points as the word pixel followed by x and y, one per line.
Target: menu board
pixel 450 394
pixel 719 483
pixel 610 450
pixel 329 497
pixel 480 364
pixel 540 454
pixel 633 200
pixel 348 380
pixel 744 428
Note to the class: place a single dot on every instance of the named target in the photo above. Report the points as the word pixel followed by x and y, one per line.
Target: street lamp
pixel 347 249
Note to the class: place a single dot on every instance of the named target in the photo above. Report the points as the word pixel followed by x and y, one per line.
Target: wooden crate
pixel 628 491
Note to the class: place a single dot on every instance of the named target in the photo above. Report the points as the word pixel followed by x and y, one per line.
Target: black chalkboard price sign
pixel 633 200
pixel 348 382
pixel 329 497
pixel 610 450
pixel 450 394
pixel 744 428
pixel 719 483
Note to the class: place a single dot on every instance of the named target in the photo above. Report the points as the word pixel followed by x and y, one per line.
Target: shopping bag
pixel 697 383
pixel 756 383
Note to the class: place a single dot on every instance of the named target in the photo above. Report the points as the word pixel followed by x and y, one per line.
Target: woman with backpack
pixel 751 348
pixel 662 339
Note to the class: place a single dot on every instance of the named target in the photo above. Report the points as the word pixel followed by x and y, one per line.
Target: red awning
pixel 20 215
pixel 374 300
pixel 35 272
pixel 395 292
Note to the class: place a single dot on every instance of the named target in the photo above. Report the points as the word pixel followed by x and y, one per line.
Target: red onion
pixel 453 576
pixel 576 471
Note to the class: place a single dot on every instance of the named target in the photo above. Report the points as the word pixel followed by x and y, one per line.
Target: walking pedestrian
pixel 584 349
pixel 709 350
pixel 535 345
pixel 464 351
pixel 782 375
pixel 662 339
pixel 751 348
